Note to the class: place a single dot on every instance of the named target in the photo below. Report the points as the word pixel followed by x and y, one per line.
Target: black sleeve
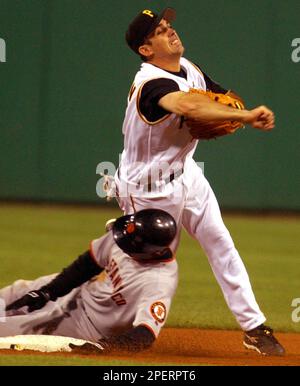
pixel 136 339
pixel 151 93
pixel 80 271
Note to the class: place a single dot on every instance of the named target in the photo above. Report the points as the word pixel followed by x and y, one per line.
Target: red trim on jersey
pixel 92 253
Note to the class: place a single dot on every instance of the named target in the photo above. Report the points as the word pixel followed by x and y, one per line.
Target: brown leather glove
pixel 206 130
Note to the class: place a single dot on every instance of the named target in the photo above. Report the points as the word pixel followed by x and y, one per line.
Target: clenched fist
pixel 260 118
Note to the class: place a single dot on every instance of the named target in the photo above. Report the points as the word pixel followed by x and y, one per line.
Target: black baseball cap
pixel 145 23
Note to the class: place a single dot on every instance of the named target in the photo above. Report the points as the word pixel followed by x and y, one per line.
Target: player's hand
pixel 260 118
pixel 34 300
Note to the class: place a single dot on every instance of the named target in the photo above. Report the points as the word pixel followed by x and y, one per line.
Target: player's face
pixel 164 41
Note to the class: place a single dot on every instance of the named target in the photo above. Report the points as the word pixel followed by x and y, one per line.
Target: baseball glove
pixel 206 130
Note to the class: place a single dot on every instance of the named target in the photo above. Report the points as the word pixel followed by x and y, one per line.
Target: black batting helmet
pixel 145 234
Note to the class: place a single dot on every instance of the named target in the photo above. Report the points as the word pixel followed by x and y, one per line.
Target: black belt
pixel 152 185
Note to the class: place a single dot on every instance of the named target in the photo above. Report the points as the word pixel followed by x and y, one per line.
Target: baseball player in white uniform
pixel 157 167
pixel 124 310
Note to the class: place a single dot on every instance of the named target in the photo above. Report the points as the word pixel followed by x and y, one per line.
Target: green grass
pixel 37 240
pixel 56 360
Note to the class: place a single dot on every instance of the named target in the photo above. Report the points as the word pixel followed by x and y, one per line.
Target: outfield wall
pixel 67 71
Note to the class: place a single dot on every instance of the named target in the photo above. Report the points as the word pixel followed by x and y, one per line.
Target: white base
pixel 42 343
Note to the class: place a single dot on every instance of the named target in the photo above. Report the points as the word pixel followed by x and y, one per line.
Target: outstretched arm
pixel 201 107
pixel 80 271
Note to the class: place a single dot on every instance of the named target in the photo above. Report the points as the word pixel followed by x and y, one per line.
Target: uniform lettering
pixel 117 281
pixel 114 275
pixel 148 12
pixel 112 265
pixel 118 299
pixel 2 51
pixel 296 51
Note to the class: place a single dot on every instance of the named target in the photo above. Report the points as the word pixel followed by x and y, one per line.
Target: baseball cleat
pixel 262 340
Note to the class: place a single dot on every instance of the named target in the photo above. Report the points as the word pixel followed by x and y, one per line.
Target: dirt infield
pixel 198 347
pixel 195 347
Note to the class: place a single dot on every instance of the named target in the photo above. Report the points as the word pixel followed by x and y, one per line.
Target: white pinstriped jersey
pixel 131 293
pixel 147 144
